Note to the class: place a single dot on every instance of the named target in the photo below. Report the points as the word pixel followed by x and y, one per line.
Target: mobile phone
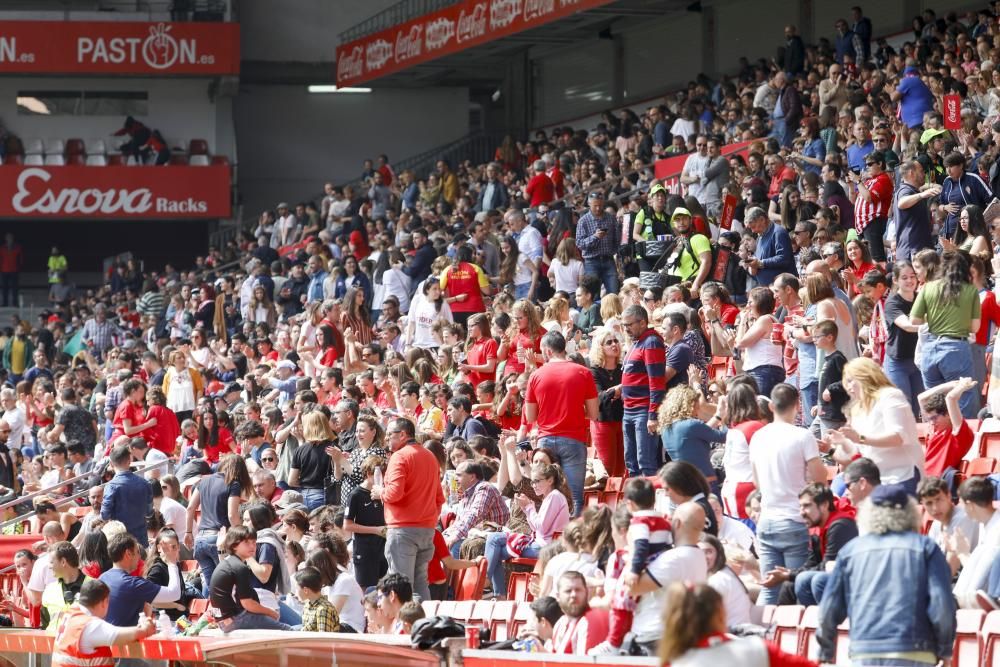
pixel 525 445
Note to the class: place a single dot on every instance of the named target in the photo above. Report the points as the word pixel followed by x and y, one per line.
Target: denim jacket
pixel 896 589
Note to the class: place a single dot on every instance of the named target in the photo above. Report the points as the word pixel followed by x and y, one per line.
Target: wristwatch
pixel 861 439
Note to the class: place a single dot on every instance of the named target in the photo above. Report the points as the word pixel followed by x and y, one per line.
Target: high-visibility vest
pixel 66 651
pixel 54 602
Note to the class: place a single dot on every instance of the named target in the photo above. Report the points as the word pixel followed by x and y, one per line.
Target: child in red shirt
pixel 951 437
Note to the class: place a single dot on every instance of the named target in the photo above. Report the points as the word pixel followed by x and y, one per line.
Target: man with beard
pixel 580 628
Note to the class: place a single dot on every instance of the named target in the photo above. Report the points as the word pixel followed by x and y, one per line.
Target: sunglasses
pixel 268 460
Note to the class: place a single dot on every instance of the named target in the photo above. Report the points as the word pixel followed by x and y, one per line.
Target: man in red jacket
pixel 540 189
pixel 412 497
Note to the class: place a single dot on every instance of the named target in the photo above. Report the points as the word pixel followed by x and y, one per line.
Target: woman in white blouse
pixel 425 314
pixel 881 426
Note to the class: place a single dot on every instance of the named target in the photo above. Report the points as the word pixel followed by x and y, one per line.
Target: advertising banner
pixel 115 193
pixel 455 28
pixel 119 47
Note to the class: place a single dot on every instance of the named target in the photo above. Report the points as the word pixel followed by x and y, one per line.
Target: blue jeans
pixel 809 586
pixel 906 376
pixel 780 542
pixel 766 378
pixel 247 621
pixel 313 498
pixel 521 291
pixel 408 551
pixel 605 269
pixel 642 448
pixel 573 458
pixel 207 555
pixel 947 359
pixel 810 397
pixel 496 554
pixel 288 616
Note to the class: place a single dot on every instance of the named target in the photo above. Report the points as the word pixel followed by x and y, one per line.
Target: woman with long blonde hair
pixel 881 426
pixel 688 438
pixel 312 462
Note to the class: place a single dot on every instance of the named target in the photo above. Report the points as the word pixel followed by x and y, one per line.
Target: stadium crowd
pixel 677 401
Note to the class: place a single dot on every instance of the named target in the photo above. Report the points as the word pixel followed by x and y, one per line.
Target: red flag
pixel 728 211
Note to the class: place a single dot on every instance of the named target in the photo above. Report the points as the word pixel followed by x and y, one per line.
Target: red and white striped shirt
pixel 865 211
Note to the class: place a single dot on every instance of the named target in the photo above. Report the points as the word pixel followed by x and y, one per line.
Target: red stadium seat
pixel 807 645
pixel 786 627
pixel 990 634
pixel 14 158
pixel 968 643
pixel 179 159
pixel 517 586
pixel 220 159
pixel 198 147
pixel 197 607
pixel 502 620
pixel 989 442
pixel 522 616
pixel 116 160
pixel 473 581
pixel 76 159
pixel 980 467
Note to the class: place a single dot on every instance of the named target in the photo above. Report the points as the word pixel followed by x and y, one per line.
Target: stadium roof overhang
pixel 399 56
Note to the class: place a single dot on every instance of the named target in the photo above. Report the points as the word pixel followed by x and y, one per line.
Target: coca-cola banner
pixel 119 47
pixel 115 193
pixel 952 109
pixel 450 30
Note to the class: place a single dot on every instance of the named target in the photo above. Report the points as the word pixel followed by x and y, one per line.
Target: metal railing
pixel 399 13
pixel 63 501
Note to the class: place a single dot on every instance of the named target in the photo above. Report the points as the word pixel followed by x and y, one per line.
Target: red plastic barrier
pixel 11 544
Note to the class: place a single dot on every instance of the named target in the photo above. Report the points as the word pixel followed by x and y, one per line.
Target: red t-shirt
pixel 329 356
pixel 521 340
pixel 540 189
pixel 990 315
pixel 560 390
pixel 728 314
pixel 466 279
pixel 223 446
pixel 163 436
pixel 945 449
pixel 435 568
pixel 135 414
pixel 480 353
pixel 859 273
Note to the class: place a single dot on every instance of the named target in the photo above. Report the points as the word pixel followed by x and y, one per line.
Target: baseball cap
pixel 890 495
pixel 287 363
pixel 930 133
pixel 595 194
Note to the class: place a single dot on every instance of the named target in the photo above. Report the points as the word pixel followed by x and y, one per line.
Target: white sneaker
pixel 604 648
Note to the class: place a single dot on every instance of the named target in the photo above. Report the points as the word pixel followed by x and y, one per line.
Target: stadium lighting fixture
pixel 327 88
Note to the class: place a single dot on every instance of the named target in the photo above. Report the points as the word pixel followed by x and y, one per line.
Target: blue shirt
pixel 691 440
pixel 814 149
pixel 128 498
pixel 128 596
pixel 916 99
pixel 774 250
pixel 856 155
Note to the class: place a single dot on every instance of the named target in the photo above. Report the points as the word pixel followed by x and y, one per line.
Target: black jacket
pixel 611 409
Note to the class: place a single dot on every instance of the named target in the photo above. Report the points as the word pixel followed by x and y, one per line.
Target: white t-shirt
pixel 567 561
pixel 529 245
pixel 891 413
pixel 98 633
pixel 154 456
pixel 685 564
pixel 15 419
pixel 566 276
pixel 781 468
pixel 180 394
pixel 734 596
pixel 353 613
pixel 41 574
pixel 424 315
pixel 174 514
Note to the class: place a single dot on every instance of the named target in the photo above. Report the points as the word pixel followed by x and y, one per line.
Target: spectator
pixel 773 255
pixel 412 498
pixel 861 477
pixel 606 431
pixel 866 583
pixel 976 494
pixel 948 520
pixel 539 189
pixel 86 636
pixel 598 235
pixel 232 592
pixel 127 497
pixel 960 189
pixel 481 502
pixel 580 628
pixel 780 472
pixel 872 203
pixel 691 257
pixel 394 591
pixel 560 400
pixel 319 614
pixel 131 595
pixel 951 437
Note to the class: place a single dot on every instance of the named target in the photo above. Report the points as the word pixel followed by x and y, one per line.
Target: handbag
pixel 657 278
pixel 651 249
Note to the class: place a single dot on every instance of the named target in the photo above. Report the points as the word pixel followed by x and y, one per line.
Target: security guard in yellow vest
pixel 651 223
pixel 61 593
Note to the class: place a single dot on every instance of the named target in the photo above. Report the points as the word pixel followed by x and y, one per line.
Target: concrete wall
pixel 290 142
